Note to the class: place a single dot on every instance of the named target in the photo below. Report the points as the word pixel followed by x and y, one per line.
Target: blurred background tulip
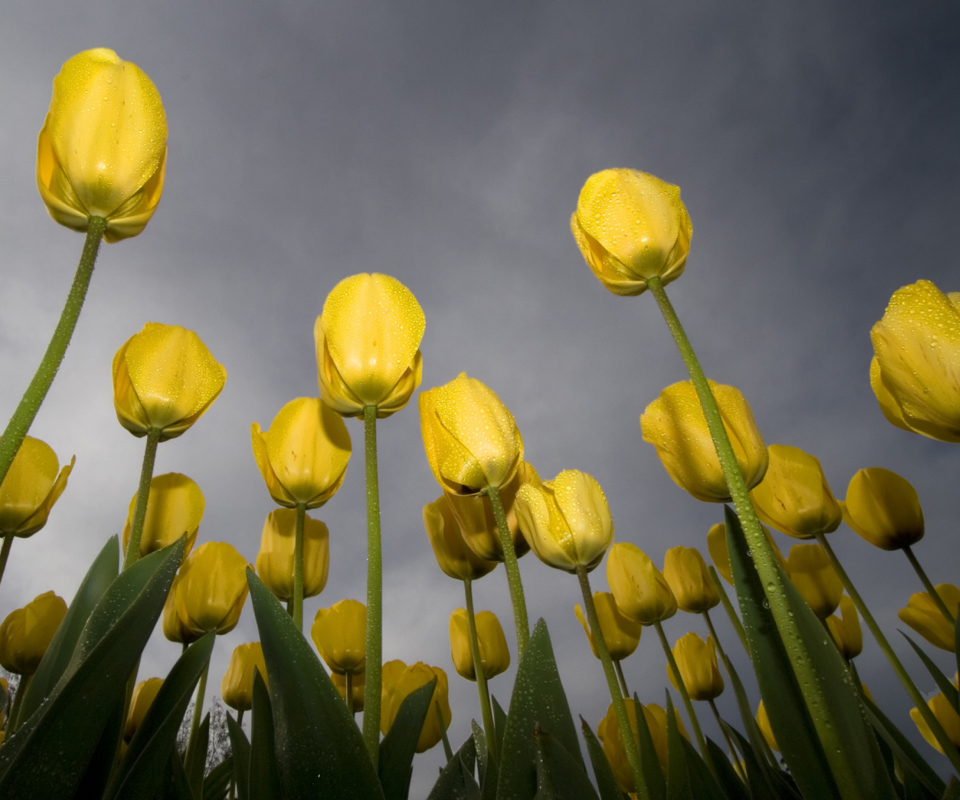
pixel 946 715
pixel 174 508
pixel 641 592
pixel 451 551
pixel 399 681
pixel 717 546
pixel 845 629
pixel 494 654
pixel 686 573
pixel 236 688
pixel 883 508
pixel 144 693
pixel 26 633
pixel 621 634
pixel 340 634
pixel 923 615
pixel 697 661
pixel 275 560
pixel 611 738
pixel 763 722
pixel 812 573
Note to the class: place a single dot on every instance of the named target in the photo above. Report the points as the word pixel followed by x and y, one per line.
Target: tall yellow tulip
pixel 883 508
pixel 922 614
pixel 620 633
pixel 275 561
pixel 340 634
pixel 399 681
pixel 26 633
pixel 812 573
pixel 451 551
pixel 686 573
pixel 236 688
pixel 845 630
pixel 494 654
pixel 641 591
pixel 174 507
pixel 946 716
pixel 697 662
pixel 611 738
pixel 33 484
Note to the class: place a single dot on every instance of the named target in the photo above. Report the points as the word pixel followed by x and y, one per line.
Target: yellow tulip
pixel 946 716
pixel 845 629
pixel 794 496
pixel 164 378
pixel 399 681
pixel 357 685
pixel 620 633
pixel 686 573
pixel 102 151
pixel 451 551
pixel 236 688
pixel 303 457
pixel 883 508
pixel 494 655
pixel 630 227
pixel 717 545
pixel 763 722
pixel 470 438
pixel 566 521
pixel 275 559
pixel 340 634
pixel 697 661
pixel 922 614
pixel 144 693
pixel 641 592
pixel 207 595
pixel 27 632
pixel 916 349
pixel 611 738
pixel 812 573
pixel 31 487
pixel 675 425
pixel 174 508
pixel 368 341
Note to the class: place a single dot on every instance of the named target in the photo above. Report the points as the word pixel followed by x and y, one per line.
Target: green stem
pixel 371 690
pixel 616 692
pixel 728 607
pixel 5 552
pixel 928 585
pixel 30 403
pixel 298 567
pixel 936 728
pixel 143 495
pixel 192 743
pixel 447 749
pixel 726 737
pixel 513 571
pixel 348 689
pixel 713 633
pixel 14 722
pixel 240 718
pixel 485 709
pixel 623 681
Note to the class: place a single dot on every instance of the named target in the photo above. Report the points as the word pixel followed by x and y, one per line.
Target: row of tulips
pixel 80 724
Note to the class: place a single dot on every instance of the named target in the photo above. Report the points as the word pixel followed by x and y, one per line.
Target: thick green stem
pixel 14 722
pixel 728 607
pixel 371 690
pixel 623 681
pixel 143 495
pixel 240 719
pixel 5 552
pixel 513 571
pixel 935 727
pixel 447 749
pixel 30 403
pixel 485 709
pixel 927 584
pixel 192 743
pixel 298 567
pixel 616 691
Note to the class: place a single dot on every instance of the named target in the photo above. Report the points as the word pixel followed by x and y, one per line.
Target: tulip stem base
pixel 447 749
pixel 143 495
pixel 621 679
pixel 517 598
pixel 348 689
pixel 5 552
pixel 927 584
pixel 728 607
pixel 298 567
pixel 192 743
pixel 371 689
pixel 485 709
pixel 616 691
pixel 14 721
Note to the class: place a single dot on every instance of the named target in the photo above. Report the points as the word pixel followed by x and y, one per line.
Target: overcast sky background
pixel 446 144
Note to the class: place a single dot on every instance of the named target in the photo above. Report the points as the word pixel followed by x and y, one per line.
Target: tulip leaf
pixel 952 792
pixel 94 780
pixel 216 784
pixel 602 771
pixel 944 684
pixel 148 755
pixel 559 777
pixel 687 776
pixel 538 697
pixel 456 780
pixel 649 763
pixel 241 757
pixel 196 760
pixel 486 763
pixel 263 782
pixel 177 786
pixel 730 782
pixel 395 764
pixel 99 576
pixel 49 754
pixel 758 772
pixel 499 726
pixel 312 724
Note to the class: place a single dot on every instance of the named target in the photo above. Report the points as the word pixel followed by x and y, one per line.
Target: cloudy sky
pixel 445 144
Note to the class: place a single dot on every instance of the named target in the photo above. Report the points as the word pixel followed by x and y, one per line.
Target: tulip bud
pixel 368 340
pixel 763 722
pixel 883 508
pixel 922 614
pixel 357 688
pixel 812 573
pixel 717 545
pixel 275 561
pixel 470 438
pixel 303 457
pixel 630 227
pixel 399 681
pixel 340 634
pixel 144 693
pixel 946 715
pixel 845 630
pixel 207 595
pixel 494 655
pixel 794 496
pixel 174 508
pixel 103 147
pixel 641 592
pixel 566 521
pixel 236 688
pixel 27 632
pixel 674 424
pixel 916 348
pixel 697 661
pixel 686 573
pixel 164 378
pixel 33 484
pixel 452 554
pixel 611 737
pixel 621 634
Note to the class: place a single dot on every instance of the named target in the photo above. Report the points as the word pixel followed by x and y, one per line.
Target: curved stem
pixel 485 709
pixel 623 681
pixel 195 721
pixel 30 403
pixel 517 599
pixel 143 495
pixel 371 689
pixel 728 607
pixel 619 707
pixel 5 552
pixel 298 567
pixel 927 584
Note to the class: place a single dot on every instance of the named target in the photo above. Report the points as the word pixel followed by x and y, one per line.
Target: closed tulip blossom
pixel 451 551
pixel 675 425
pixel 103 147
pixel 923 615
pixel 814 577
pixel 686 572
pixel 611 738
pixel 164 379
pixel 697 661
pixel 340 634
pixel 174 509
pixel 494 654
pixel 794 496
pixel 620 633
pixel 275 559
pixel 144 693
pixel 641 591
pixel 30 489
pixel 946 715
pixel 399 681
pixel 883 508
pixel 26 633
pixel 717 546
pixel 914 370
pixel 631 227
pixel 368 340
pixel 845 630
pixel 236 688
